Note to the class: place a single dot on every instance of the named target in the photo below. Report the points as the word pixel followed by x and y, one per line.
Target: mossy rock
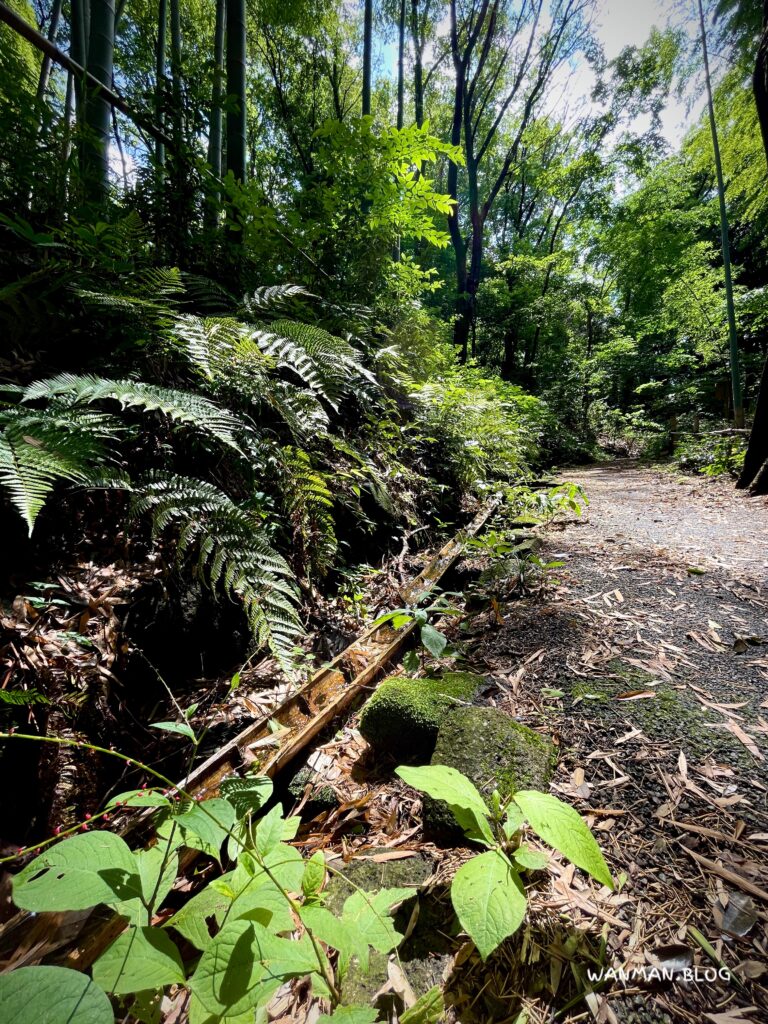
pixel 492 750
pixel 422 966
pixel 403 716
pixel 322 798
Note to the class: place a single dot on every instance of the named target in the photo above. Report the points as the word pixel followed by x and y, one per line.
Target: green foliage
pixel 487 891
pixel 252 908
pixel 711 455
pixel 233 551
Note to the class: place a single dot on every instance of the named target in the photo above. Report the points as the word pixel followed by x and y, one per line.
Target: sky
pixel 621 23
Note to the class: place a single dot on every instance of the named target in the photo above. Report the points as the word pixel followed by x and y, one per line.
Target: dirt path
pixel 654 680
pixel 701 522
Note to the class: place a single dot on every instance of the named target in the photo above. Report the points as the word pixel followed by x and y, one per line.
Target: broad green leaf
pixel 433 640
pixel 350 1015
pixel 192 921
pixel 367 914
pixel 140 798
pixel 52 995
pixel 565 830
pixel 158 867
pixel 427 1010
pixel 513 821
pixel 204 826
pixel 78 873
pixel 139 959
pixel 444 783
pixel 334 932
pixel 269 830
pixel 467 805
pixel 228 979
pixel 182 728
pixel 245 964
pixel 531 860
pixel 314 874
pixel 249 794
pixel 488 899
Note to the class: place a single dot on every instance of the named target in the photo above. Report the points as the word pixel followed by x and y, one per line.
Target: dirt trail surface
pixel 648 663
pixel 705 523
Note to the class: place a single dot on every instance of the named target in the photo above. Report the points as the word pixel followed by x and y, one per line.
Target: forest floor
pixel 648 662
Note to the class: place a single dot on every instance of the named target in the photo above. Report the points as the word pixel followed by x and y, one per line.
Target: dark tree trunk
pixel 236 112
pixel 755 472
pixel 401 66
pixel 367 55
pixel 418 65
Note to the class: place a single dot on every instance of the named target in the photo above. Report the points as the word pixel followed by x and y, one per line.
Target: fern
pixel 276 298
pixel 179 406
pixel 233 552
pixel 37 448
pixel 326 364
pixel 309 504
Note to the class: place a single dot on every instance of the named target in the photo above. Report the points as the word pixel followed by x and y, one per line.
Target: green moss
pixel 492 750
pixel 404 714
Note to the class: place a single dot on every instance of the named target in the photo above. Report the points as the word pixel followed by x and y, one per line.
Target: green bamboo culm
pixel 98 113
pixel 733 343
pixel 236 110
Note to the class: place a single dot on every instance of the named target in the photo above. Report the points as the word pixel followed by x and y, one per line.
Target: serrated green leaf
pixel 489 900
pixel 249 794
pixel 350 1015
pixel 52 995
pixel 562 826
pixel 314 874
pixel 426 1010
pixel 366 915
pixel 465 802
pixel 531 860
pixel 433 640
pixel 182 728
pixel 139 959
pixel 78 873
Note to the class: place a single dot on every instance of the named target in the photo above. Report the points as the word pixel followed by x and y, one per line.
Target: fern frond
pixel 276 299
pixel 38 448
pixel 233 552
pixel 327 364
pixel 309 505
pixel 179 406
pixel 207 295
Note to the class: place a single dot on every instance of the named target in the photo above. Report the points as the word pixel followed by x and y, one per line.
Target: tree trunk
pixel 78 50
pixel 755 471
pixel 101 51
pixel 162 22
pixel 757 450
pixel 236 112
pixel 215 121
pixel 45 67
pixel 738 404
pixel 176 91
pixel 418 65
pixel 760 80
pixel 367 55
pixel 401 66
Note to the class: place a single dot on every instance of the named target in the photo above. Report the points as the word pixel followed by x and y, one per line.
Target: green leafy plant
pixel 259 923
pixel 487 891
pixel 431 639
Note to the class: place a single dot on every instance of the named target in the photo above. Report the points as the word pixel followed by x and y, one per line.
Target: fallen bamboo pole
pixel 303 715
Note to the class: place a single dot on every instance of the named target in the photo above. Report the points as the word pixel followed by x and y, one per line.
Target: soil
pixel 647 661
